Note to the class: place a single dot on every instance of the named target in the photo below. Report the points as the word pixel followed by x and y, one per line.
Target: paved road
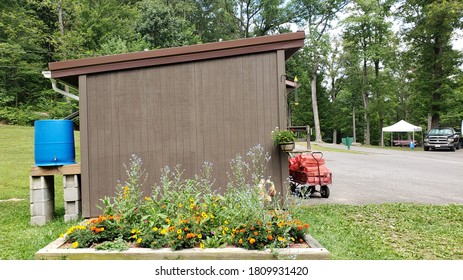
pixel 382 176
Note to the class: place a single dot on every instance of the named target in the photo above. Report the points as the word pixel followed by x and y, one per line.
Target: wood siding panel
pixel 181 114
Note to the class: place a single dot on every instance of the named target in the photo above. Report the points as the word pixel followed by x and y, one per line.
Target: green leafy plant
pixel 119 244
pixel 282 136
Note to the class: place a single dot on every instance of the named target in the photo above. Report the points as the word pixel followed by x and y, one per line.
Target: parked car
pixel 442 138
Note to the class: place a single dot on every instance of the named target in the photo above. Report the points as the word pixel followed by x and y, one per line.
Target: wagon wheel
pixel 324 191
pixel 293 187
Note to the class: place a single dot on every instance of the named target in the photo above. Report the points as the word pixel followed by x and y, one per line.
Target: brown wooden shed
pixel 184 105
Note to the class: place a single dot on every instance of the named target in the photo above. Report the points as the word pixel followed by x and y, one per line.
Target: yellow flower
pixel 212 216
pixel 168 221
pixel 147 198
pixel 61 235
pixel 252 241
pixel 179 231
pixel 226 222
pixel 75 244
pixel 180 205
pixel 192 205
pixel 180 237
pixel 164 231
pixel 201 245
pixel 200 236
pixel 204 215
pixel 155 229
pixel 192 200
pixel 139 240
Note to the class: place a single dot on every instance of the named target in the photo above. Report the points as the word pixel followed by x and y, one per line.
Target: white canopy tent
pixel 401 126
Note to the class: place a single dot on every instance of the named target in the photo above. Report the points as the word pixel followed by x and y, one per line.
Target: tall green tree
pixel 167 23
pixel 429 28
pixel 22 50
pixel 316 17
pixel 368 32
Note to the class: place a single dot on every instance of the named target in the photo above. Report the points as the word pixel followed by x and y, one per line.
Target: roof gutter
pixel 47 74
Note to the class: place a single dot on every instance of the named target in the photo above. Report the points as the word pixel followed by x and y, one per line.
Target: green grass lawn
pixel 369 232
pixel 19 240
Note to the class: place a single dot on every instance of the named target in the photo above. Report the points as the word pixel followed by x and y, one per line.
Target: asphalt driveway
pixel 382 176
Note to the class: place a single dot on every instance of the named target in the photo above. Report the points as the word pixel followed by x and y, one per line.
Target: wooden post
pixel 308 138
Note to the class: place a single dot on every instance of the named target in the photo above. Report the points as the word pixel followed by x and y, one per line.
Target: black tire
pixel 426 148
pixel 293 188
pixel 324 191
pixel 452 148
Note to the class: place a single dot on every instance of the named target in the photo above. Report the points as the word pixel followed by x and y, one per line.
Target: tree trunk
pixel 366 114
pixel 379 102
pixel 436 95
pixel 318 135
pixel 354 134
pixel 335 136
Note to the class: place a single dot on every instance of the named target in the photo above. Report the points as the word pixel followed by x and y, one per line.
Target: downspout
pixel 47 74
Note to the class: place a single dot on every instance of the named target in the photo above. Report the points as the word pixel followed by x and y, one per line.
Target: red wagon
pixel 307 172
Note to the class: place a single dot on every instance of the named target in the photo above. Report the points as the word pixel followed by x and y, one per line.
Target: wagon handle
pixel 318 165
pixel 312 153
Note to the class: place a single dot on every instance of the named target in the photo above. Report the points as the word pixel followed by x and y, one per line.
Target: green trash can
pixel 347 141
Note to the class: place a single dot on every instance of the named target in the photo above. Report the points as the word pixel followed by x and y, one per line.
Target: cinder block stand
pixel 42 193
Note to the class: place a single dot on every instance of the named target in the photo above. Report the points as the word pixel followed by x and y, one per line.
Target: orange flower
pixel 301 240
pixel 299 227
pixel 240 241
pixel 190 235
pixel 252 241
pixel 270 237
pixel 256 233
pixel 253 228
pixel 306 225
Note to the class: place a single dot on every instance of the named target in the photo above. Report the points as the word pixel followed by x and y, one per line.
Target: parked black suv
pixel 442 138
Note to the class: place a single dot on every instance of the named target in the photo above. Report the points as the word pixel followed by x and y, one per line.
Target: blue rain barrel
pixel 54 142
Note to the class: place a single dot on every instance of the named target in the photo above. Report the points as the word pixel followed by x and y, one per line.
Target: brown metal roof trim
pixel 68 71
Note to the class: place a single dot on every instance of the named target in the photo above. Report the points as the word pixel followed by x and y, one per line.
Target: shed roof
pixel 69 71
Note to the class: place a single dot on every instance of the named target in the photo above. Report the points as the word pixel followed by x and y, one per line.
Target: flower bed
pixel 59 250
pixel 184 216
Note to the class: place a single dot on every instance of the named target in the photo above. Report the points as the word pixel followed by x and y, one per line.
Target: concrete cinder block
pixel 42 182
pixel 71 194
pixel 73 207
pixel 40 220
pixel 41 195
pixel 42 208
pixel 71 181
